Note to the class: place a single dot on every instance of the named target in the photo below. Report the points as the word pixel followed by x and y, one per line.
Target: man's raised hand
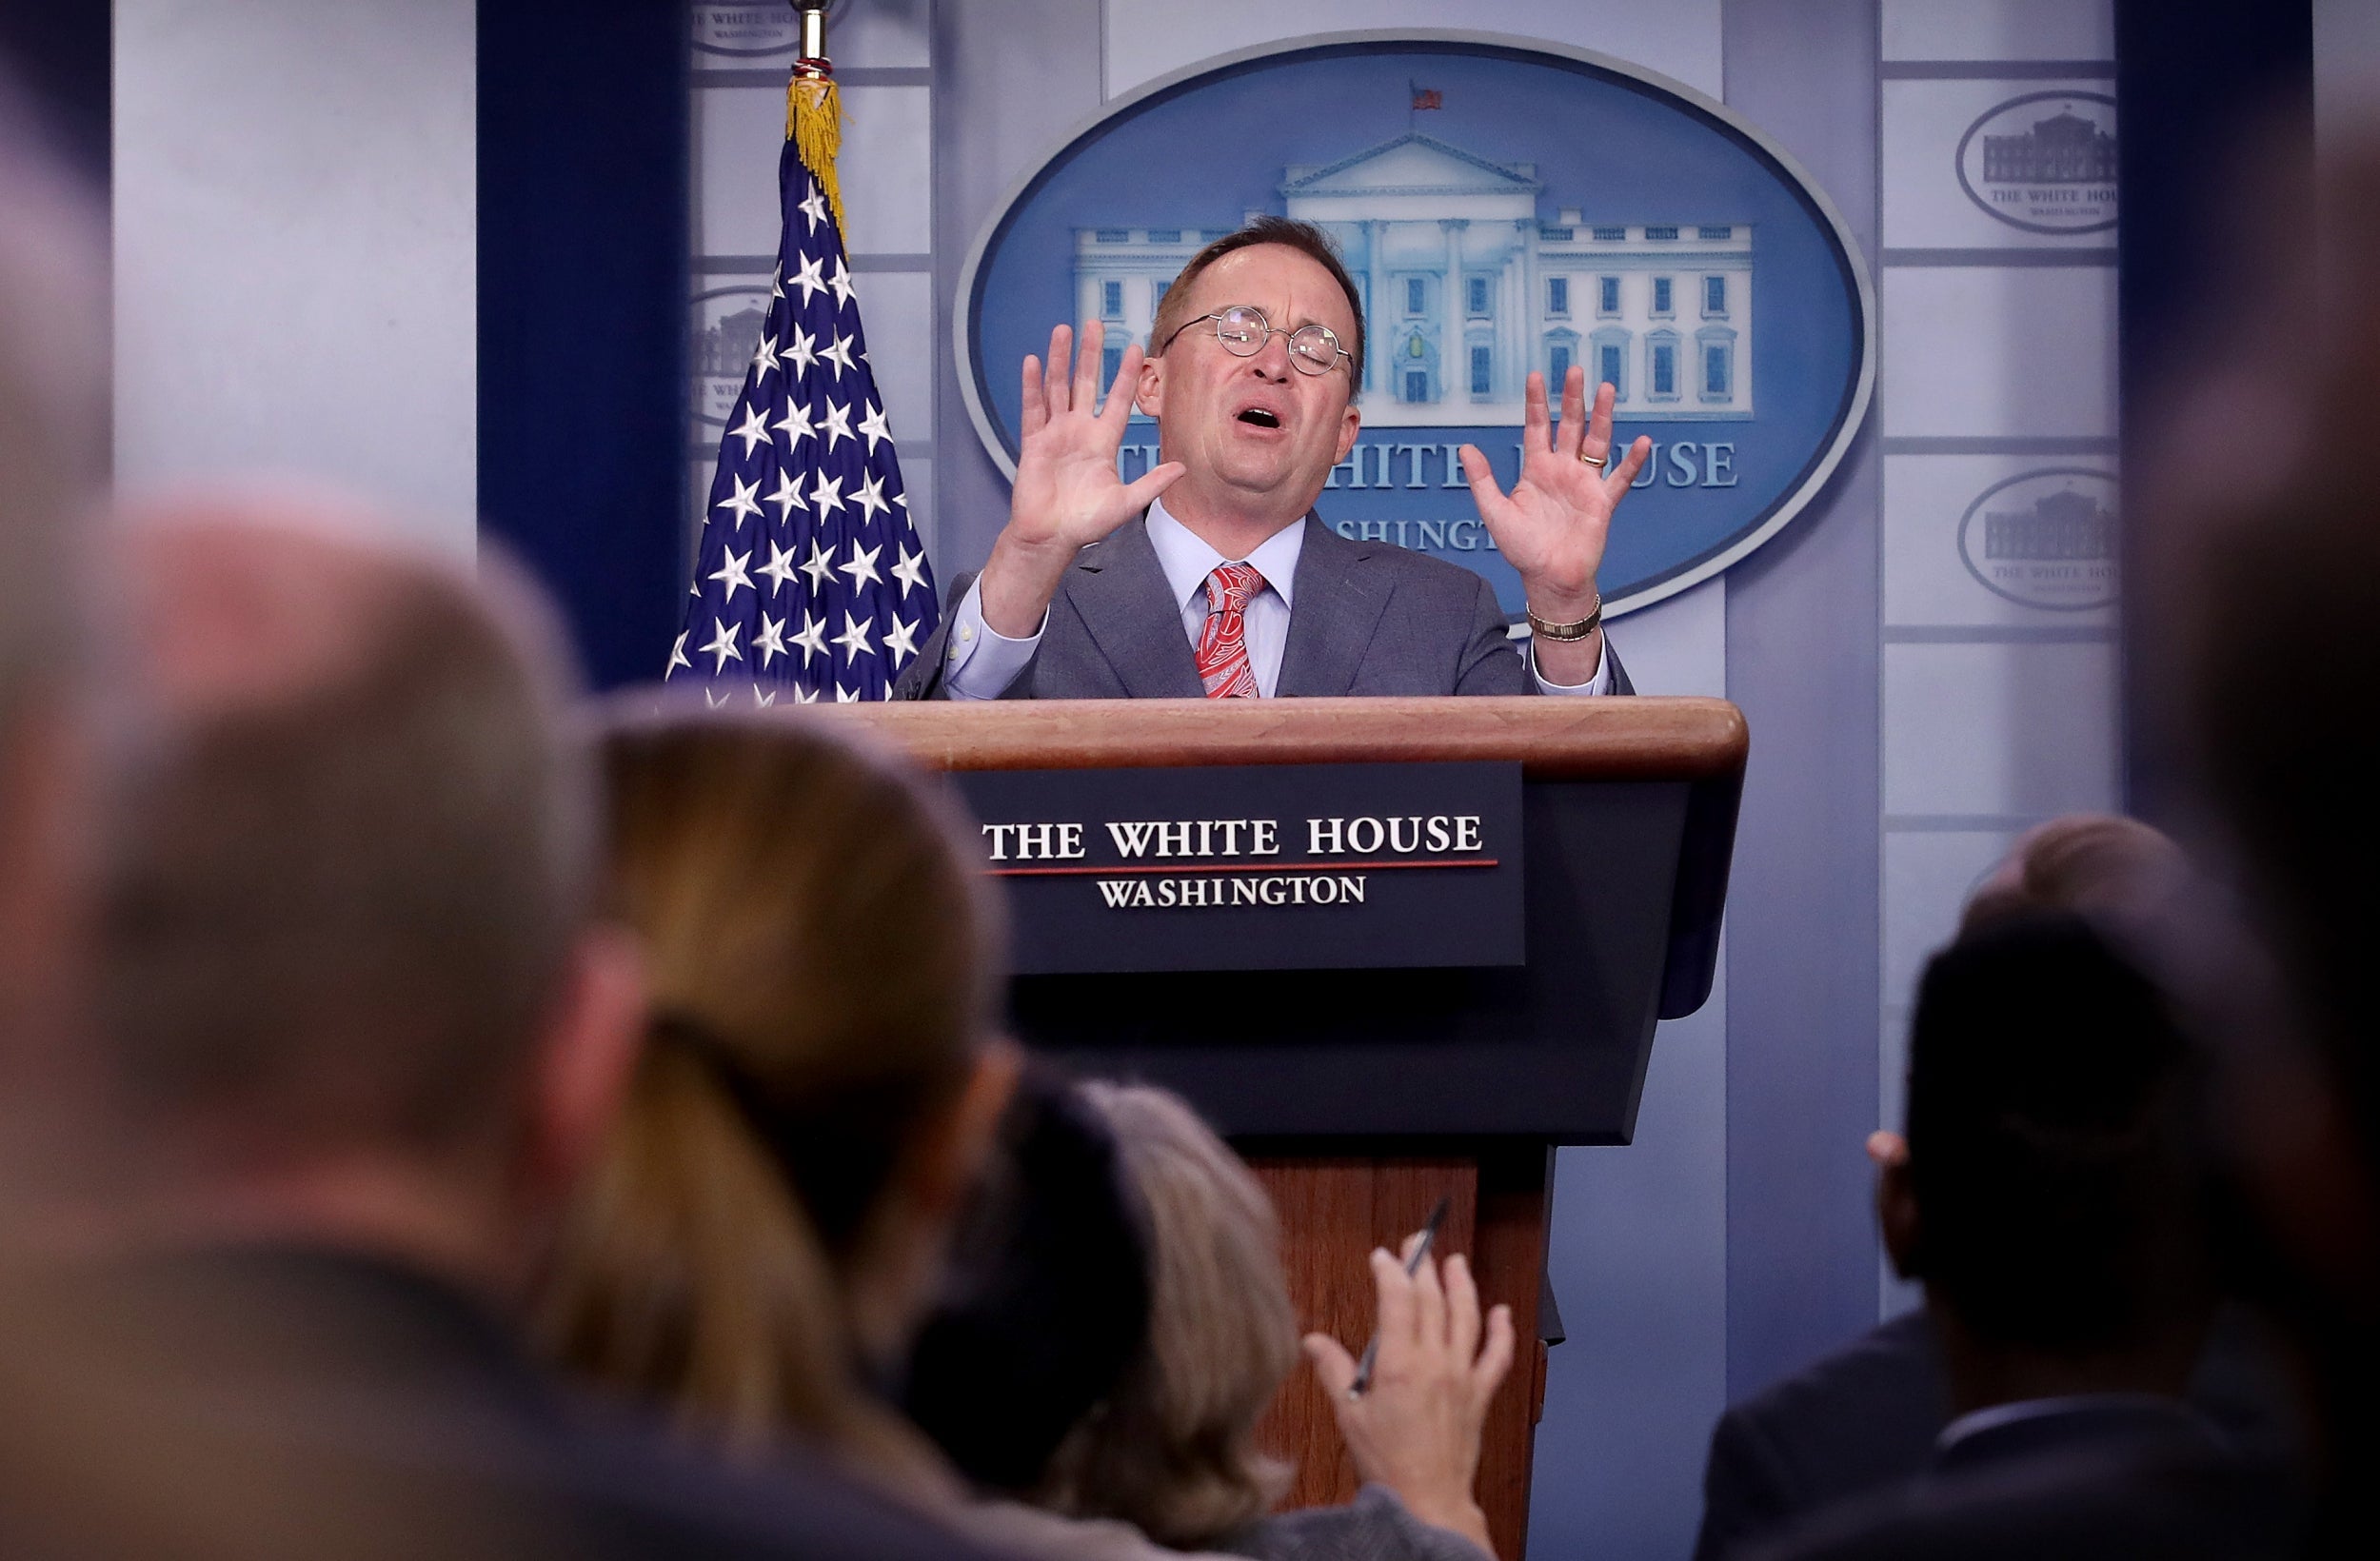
pixel 1067 492
pixel 1553 525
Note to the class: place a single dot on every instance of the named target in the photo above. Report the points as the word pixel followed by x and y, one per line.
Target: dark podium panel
pixel 1363 1096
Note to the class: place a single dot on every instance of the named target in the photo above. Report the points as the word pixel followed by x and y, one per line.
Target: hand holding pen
pixel 1413 1425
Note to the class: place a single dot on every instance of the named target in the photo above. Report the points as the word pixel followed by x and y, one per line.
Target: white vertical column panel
pixel 296 248
pixel 2347 70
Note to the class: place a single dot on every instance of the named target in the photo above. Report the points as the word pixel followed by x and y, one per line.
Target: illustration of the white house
pixel 1467 289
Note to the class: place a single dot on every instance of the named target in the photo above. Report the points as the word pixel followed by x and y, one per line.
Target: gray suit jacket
pixel 1371 618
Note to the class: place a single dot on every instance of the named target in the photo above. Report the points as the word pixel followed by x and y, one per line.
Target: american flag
pixel 810 576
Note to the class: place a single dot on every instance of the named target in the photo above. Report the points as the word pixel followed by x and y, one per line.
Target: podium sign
pixel 1257 867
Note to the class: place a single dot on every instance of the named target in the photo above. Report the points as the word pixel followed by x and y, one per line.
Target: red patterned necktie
pixel 1223 643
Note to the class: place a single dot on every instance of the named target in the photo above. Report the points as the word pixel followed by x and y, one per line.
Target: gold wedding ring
pixel 1598 462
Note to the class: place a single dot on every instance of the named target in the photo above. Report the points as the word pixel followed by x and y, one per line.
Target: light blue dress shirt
pixel 984 662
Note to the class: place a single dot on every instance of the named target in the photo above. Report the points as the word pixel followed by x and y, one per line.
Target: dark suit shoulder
pixel 1858 1420
pixel 2076 1507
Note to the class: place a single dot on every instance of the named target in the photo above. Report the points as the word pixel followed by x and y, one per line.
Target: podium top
pixel 1631 739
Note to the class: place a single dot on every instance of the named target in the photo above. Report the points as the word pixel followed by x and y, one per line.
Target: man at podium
pixel 1212 575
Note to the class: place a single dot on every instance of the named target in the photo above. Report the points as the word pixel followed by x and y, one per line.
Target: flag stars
pixel 812 641
pixel 722 648
pixel 753 430
pixel 826 496
pixel 796 425
pixel 787 496
pixel 769 641
pixel 838 426
pixel 834 526
pixel 870 499
pixel 806 277
pixel 862 567
pixel 732 574
pixel 873 428
pixel 780 569
pixel 820 567
pixel 743 500
pixel 802 351
pixel 854 638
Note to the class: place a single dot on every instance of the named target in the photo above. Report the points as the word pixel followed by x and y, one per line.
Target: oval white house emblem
pixel 2044 162
pixel 747 31
pixel 1505 205
pixel 2047 539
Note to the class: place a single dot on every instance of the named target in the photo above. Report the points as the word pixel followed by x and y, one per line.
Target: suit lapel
pixel 1339 604
pixel 1120 591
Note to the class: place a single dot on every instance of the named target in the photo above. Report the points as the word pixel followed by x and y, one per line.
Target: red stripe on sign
pixel 1239 867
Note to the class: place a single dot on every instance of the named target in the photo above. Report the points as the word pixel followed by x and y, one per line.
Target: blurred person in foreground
pixel 1046 1302
pixel 52 414
pixel 768 1228
pixel 1866 1416
pixel 82 1467
pixel 360 1032
pixel 2270 572
pixel 767 1231
pixel 2050 1201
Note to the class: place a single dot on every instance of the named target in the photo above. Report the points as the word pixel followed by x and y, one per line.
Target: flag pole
pixel 814 108
pixel 813 35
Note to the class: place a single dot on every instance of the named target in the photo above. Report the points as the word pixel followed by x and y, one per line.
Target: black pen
pixel 1413 1266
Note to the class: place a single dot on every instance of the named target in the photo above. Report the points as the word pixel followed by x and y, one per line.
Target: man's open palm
pixel 1068 492
pixel 1553 525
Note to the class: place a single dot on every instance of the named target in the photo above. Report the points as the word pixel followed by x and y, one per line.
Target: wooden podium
pixel 1361 1097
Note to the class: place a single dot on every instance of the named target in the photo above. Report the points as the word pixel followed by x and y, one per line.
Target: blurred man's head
pixel 52 421
pixel 347 896
pixel 2269 574
pixel 2048 1199
pixel 2096 864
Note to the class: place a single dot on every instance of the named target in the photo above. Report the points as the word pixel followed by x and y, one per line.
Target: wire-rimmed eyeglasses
pixel 1243 330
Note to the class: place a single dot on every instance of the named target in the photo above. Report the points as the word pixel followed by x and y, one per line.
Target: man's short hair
pixel 1308 240
pixel 2048 1151
pixel 2100 864
pixel 338 900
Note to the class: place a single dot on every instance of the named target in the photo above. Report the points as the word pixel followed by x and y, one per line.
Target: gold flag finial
pixel 814 109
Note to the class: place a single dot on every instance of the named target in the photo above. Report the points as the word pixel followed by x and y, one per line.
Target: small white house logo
pixel 727 333
pixel 747 31
pixel 2047 539
pixel 2044 162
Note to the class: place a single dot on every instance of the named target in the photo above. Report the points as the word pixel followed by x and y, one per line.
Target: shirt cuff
pixel 980 662
pixel 1599 683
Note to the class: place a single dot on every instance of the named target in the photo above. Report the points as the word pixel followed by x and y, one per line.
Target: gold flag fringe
pixel 813 125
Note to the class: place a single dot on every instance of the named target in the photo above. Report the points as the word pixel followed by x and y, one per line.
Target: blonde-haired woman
pixel 820 1090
